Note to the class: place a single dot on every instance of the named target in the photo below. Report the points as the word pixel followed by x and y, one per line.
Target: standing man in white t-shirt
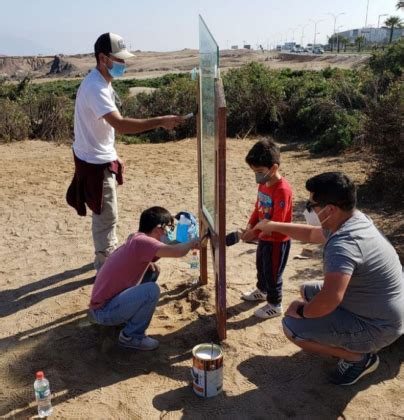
pixel 97 165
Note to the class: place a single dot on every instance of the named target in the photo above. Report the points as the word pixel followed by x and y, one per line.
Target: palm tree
pixel 343 41
pixel 400 5
pixel 393 22
pixel 359 40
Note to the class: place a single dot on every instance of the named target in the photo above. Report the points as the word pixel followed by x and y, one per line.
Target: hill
pixel 154 64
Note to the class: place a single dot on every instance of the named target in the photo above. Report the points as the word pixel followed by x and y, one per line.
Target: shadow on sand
pixel 285 386
pixel 13 300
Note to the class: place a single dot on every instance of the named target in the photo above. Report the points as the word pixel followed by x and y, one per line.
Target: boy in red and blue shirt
pixel 274 202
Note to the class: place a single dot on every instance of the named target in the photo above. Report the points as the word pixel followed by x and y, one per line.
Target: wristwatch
pixel 299 311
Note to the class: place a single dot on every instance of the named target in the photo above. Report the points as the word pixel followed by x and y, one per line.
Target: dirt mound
pixel 337 60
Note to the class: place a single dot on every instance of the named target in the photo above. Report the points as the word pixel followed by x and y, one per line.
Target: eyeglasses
pixel 167 226
pixel 310 205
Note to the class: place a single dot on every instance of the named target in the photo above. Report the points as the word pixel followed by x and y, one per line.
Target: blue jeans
pixel 133 307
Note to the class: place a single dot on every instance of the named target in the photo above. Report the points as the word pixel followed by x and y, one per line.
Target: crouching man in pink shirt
pixel 125 290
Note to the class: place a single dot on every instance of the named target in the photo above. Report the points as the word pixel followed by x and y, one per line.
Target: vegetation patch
pixel 330 110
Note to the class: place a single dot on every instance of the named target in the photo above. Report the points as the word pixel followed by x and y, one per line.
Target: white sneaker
pixel 254 295
pixel 268 311
pixel 145 343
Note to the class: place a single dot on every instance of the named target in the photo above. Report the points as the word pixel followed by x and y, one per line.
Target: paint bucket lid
pixel 207 351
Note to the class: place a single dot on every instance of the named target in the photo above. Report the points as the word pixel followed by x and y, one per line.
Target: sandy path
pixel 46 278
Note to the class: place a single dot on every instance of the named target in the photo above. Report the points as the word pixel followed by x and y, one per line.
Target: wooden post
pixel 217 233
pixel 203 227
pixel 220 248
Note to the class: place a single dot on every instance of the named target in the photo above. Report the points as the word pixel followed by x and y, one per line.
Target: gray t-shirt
pixel 376 289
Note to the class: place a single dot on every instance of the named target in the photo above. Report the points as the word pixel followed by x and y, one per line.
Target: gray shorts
pixel 340 328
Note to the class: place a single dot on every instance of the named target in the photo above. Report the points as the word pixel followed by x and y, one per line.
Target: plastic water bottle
pixel 194 267
pixel 182 229
pixel 43 395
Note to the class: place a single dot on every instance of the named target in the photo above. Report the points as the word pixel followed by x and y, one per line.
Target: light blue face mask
pixel 168 236
pixel 117 70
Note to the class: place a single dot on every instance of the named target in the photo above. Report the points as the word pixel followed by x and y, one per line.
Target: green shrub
pixel 383 134
pixel 177 98
pixel 253 97
pixel 51 117
pixel 340 134
pixel 14 123
pixel 391 61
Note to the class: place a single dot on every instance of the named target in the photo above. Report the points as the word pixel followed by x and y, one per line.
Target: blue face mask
pixel 167 237
pixel 117 70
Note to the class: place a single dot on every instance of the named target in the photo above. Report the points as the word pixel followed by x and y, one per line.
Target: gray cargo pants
pixel 104 224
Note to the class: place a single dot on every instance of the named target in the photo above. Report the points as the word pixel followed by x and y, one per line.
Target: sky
pixel 32 27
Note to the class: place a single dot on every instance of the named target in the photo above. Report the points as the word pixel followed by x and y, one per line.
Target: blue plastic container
pixel 182 232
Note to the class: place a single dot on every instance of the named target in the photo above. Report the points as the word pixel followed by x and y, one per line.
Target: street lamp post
pixel 335 22
pixel 378 19
pixel 338 29
pixel 302 37
pixel 367 10
pixel 293 33
pixel 315 30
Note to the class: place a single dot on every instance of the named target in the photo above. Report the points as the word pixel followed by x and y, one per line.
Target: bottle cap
pixel 40 375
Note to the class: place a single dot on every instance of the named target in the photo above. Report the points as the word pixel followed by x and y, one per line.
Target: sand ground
pixel 46 278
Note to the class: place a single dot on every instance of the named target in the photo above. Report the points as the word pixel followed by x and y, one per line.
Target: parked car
pixel 318 50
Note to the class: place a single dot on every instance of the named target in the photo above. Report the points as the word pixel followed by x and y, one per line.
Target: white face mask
pixel 313 219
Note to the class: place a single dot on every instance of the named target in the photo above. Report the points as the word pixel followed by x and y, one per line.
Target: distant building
pixel 372 35
pixel 247 46
pixel 288 45
pixel 234 47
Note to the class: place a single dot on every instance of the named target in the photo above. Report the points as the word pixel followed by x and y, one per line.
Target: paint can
pixel 207 369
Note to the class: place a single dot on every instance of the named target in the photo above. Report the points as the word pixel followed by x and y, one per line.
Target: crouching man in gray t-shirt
pixel 359 307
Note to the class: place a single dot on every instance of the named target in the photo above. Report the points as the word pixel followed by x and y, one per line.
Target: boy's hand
pixel 264 226
pixel 248 235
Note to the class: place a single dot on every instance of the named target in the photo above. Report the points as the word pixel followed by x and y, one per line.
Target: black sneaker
pixel 348 373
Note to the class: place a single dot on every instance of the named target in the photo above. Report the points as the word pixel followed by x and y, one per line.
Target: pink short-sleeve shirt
pixel 124 268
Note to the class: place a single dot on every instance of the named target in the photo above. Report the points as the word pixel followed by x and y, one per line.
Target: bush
pixel 383 134
pixel 389 62
pixel 51 117
pixel 341 132
pixel 177 98
pixel 14 123
pixel 253 96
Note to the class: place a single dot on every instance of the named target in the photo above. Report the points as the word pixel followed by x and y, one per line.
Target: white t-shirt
pixel 94 138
